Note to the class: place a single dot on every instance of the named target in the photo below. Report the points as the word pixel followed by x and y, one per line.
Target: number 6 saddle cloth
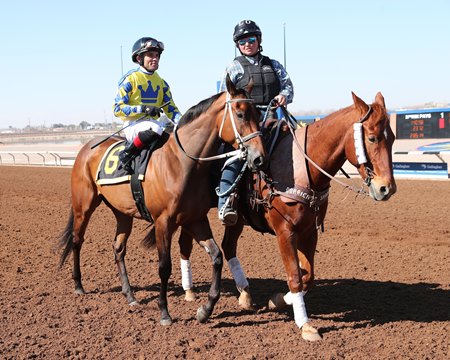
pixel 109 172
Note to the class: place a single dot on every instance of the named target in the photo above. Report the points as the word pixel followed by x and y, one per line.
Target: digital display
pixel 423 125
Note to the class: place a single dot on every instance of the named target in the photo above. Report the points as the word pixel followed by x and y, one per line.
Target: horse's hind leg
pixel 123 231
pixel 84 203
pixel 186 245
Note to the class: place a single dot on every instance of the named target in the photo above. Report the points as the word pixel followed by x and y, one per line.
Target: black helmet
pixel 246 28
pixel 145 44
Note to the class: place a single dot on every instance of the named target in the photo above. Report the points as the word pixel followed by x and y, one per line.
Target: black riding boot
pixel 127 155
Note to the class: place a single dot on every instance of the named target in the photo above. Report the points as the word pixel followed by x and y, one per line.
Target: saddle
pixel 109 172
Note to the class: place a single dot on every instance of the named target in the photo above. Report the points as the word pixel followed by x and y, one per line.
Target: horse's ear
pixel 359 104
pixel 379 99
pixel 230 86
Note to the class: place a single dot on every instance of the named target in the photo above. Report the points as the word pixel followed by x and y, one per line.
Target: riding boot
pixel 143 139
pixel 226 206
pixel 127 155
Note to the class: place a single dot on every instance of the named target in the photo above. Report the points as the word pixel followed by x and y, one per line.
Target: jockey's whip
pixel 110 136
pixel 118 131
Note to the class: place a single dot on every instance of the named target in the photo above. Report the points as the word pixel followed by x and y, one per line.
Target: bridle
pixel 241 152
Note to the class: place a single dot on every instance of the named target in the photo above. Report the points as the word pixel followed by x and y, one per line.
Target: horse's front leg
pixel 229 247
pixel 186 244
pixel 164 232
pixel 201 231
pixel 306 251
pixel 123 231
pixel 287 243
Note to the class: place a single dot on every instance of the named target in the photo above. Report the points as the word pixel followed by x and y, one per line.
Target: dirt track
pixel 382 289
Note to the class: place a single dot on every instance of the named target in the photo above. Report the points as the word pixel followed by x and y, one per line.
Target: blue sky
pixel 60 61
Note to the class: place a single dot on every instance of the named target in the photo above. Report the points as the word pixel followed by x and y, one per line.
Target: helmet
pixel 145 44
pixel 246 28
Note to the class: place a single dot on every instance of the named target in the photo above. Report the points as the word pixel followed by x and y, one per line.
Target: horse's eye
pixel 372 138
pixel 240 115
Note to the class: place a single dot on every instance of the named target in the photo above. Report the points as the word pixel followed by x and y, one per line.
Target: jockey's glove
pixel 151 110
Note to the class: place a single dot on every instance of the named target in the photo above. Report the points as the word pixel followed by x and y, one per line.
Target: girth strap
pixel 301 194
pixel 138 196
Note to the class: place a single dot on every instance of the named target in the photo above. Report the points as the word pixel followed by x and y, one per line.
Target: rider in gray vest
pixel 270 82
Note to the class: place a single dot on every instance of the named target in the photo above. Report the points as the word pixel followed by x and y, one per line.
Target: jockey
pixel 140 100
pixel 270 82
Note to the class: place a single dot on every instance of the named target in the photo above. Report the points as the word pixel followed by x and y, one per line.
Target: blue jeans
pixel 229 175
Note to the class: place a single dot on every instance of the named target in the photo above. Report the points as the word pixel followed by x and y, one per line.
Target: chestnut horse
pixel 293 194
pixel 176 189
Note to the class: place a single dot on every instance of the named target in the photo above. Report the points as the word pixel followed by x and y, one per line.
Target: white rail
pixel 42 158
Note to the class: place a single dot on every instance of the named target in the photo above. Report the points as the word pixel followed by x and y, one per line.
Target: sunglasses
pixel 154 44
pixel 250 41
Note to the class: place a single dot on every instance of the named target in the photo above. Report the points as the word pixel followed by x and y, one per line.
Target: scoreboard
pixel 423 125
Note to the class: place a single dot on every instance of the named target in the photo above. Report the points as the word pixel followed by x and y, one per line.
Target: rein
pixel 234 155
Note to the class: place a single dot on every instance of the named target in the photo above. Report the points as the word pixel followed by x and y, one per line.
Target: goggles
pixel 154 44
pixel 250 41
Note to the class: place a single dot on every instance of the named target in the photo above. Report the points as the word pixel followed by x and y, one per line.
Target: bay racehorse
pixel 290 200
pixel 176 189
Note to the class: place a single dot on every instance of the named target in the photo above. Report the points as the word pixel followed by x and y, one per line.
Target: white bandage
pixel 186 274
pixel 359 144
pixel 238 274
pixel 288 297
pixel 298 304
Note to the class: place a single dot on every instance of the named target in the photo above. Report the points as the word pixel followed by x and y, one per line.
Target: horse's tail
pixel 65 239
pixel 150 239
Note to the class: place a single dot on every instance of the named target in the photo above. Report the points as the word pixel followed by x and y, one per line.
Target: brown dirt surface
pixel 382 283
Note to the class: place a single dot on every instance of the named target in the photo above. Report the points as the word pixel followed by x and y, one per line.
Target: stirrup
pixel 227 214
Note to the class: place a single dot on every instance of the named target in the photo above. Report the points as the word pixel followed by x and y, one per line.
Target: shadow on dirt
pixel 354 300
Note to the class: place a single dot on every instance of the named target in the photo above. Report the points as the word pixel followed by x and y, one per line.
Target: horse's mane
pixel 195 111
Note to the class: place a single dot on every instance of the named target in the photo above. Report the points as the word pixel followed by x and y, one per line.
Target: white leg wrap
pixel 238 274
pixel 288 297
pixel 299 307
pixel 186 274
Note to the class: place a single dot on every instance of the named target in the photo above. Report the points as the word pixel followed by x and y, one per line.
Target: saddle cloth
pixel 108 170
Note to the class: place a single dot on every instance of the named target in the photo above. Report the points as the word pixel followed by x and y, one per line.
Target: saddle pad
pixel 108 171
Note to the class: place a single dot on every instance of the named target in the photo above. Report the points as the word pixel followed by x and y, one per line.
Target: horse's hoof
pixel 245 301
pixel 79 291
pixel 165 322
pixel 190 295
pixel 276 302
pixel 202 315
pixel 310 333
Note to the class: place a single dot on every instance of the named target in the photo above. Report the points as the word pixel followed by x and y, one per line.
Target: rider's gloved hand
pixel 150 110
pixel 280 100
